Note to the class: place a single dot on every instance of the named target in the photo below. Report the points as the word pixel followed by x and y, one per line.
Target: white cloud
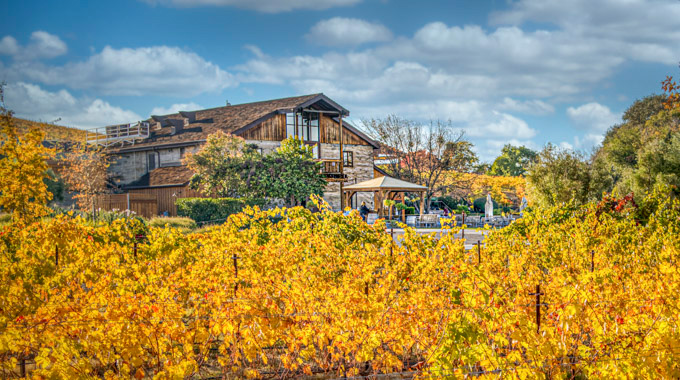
pixel 32 102
pixel 159 70
pixel 340 31
pixel 9 46
pixel 646 30
pixel 593 117
pixel 565 145
pixel 267 6
pixel 176 108
pixel 42 45
pixel 531 107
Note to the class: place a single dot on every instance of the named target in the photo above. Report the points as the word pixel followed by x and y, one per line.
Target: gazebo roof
pixel 385 183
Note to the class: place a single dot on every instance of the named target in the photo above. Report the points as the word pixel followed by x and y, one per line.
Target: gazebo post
pixel 422 203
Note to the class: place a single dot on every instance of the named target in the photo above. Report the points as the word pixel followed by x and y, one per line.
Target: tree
pixel 513 161
pixel 292 174
pixel 422 152
pixel 225 167
pixel 559 176
pixel 228 167
pixel 85 173
pixel 23 169
pixel 631 158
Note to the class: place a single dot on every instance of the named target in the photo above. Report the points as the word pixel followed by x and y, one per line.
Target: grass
pixel 185 225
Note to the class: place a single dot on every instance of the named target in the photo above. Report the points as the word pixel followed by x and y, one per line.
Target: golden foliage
pixel 504 190
pixel 287 292
pixel 22 170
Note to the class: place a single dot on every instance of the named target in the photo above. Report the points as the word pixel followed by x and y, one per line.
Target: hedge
pixel 213 209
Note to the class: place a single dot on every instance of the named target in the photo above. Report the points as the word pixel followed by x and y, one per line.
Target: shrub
pixel 213 209
pixel 183 224
pixel 410 210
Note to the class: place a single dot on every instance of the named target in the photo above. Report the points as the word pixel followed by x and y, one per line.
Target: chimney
pixel 158 122
pixel 191 116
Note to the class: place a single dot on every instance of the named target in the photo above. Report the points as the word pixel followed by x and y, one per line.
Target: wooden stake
pixel 235 274
pixel 592 261
pixel 479 252
pixel 538 308
pixel 56 256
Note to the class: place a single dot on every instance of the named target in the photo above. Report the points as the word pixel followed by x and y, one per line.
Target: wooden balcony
pixel 331 171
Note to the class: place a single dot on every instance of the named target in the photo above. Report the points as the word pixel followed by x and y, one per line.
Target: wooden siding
pixel 272 129
pixel 147 202
pixel 166 197
pixel 141 204
pixel 330 133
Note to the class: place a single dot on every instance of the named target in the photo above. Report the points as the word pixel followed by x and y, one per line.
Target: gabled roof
pixel 385 183
pixel 234 119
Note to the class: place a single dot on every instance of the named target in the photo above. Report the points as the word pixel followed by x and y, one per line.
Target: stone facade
pixel 129 167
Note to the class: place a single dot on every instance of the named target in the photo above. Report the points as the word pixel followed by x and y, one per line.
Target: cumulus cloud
pixel 161 70
pixel 267 6
pixel 176 108
pixel 340 31
pixel 32 102
pixel 42 45
pixel 640 29
pixel 593 117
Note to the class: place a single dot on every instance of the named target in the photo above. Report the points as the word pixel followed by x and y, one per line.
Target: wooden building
pixel 152 164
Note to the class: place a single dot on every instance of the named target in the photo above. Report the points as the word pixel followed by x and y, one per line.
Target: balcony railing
pixel 331 170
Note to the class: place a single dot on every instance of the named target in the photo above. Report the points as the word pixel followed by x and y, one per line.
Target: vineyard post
pixel 479 252
pixel 23 367
pixel 463 227
pixel 592 261
pixel 56 255
pixel 134 249
pixel 538 307
pixel 234 257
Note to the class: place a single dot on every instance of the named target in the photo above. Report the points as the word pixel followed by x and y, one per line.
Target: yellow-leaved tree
pixel 23 167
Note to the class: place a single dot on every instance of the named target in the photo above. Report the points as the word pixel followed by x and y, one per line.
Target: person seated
pixel 363 211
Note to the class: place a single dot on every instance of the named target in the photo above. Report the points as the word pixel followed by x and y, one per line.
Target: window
pixel 315 150
pixel 152 161
pixel 181 153
pixel 307 126
pixel 348 159
pixel 290 125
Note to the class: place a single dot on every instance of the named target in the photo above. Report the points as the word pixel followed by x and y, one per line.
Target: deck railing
pixel 122 133
pixel 331 169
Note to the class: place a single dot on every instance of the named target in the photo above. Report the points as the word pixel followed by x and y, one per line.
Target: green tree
pixel 559 176
pixel 639 153
pixel 291 173
pixel 228 167
pixel 225 167
pixel 513 161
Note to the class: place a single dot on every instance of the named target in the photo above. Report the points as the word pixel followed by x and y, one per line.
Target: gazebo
pixel 385 188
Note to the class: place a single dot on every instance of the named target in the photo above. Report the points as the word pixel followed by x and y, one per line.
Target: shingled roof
pixel 229 119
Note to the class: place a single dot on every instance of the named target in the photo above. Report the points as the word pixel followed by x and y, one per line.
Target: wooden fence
pixel 148 202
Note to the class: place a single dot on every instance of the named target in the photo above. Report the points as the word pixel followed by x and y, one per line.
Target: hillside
pixel 52 131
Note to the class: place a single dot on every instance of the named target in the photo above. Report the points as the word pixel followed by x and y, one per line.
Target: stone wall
pixel 362 170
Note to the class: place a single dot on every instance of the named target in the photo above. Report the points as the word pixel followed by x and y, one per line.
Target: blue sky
pixel 525 72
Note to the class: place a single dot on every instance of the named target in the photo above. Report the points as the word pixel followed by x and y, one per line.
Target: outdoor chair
pixel 411 220
pixel 428 220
